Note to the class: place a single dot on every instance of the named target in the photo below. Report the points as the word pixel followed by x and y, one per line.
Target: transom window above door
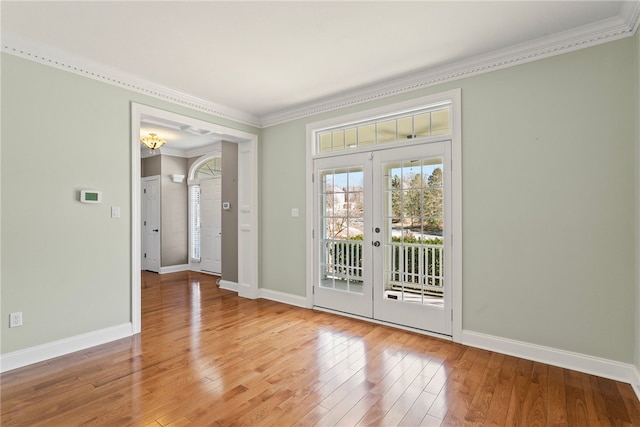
pixel 212 168
pixel 400 127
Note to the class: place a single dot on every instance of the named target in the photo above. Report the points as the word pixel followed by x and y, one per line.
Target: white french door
pixel 342 270
pixel 382 246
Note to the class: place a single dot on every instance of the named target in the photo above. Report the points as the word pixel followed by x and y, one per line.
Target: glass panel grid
pixel 414 231
pixel 341 213
pixel 402 127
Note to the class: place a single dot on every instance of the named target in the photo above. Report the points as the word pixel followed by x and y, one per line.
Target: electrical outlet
pixel 15 319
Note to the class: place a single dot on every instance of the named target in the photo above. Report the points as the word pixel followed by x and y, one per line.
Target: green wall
pixel 548 194
pixel 66 265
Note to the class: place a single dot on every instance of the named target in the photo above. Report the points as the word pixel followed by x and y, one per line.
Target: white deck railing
pixel 411 267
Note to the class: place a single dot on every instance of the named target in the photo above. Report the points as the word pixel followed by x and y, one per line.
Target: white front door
pixel 151 224
pixel 381 247
pixel 211 225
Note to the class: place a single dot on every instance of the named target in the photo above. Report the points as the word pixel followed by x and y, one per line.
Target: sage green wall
pixel 66 265
pixel 548 196
pixel 282 180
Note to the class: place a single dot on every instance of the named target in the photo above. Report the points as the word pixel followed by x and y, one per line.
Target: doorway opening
pixel 247 193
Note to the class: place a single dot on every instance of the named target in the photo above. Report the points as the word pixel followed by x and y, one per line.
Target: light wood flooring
pixel 207 357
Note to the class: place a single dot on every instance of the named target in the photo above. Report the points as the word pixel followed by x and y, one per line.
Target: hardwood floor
pixel 207 357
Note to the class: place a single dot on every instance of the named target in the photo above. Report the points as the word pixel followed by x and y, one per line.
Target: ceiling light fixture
pixel 152 141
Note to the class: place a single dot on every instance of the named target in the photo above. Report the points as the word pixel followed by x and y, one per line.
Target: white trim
pixel 174 268
pixel 456 214
pixel 136 221
pixel 40 353
pixel 248 254
pixel 624 25
pixel 605 368
pixel 225 284
pixel 283 297
pixel 636 381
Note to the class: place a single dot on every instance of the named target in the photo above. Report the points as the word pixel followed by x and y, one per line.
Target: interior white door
pixel 211 225
pixel 381 249
pixel 151 223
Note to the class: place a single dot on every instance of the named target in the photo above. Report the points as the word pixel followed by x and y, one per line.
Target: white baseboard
pixel 565 359
pixel 245 290
pixel 40 353
pixel 283 297
pixel 230 286
pixel 636 382
pixel 174 268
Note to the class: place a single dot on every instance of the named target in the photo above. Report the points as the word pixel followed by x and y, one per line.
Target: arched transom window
pixel 212 168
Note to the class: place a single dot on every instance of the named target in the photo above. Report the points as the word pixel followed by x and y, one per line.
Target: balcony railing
pixel 410 267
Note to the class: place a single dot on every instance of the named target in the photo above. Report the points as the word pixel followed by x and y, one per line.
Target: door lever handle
pixel 156 230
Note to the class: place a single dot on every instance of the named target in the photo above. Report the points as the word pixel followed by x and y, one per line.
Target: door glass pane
pixel 325 142
pixel 338 140
pixel 405 128
pixel 351 137
pixel 366 135
pixel 422 124
pixel 342 210
pixel 386 131
pixel 414 224
pixel 440 125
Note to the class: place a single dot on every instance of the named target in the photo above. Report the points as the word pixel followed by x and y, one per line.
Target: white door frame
pixel 247 203
pixel 452 97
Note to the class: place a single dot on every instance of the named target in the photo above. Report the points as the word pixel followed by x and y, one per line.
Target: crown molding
pixel 624 25
pixel 579 38
pixel 24 48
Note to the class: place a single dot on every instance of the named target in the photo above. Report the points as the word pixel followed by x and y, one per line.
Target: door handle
pixel 376 243
pixel 156 230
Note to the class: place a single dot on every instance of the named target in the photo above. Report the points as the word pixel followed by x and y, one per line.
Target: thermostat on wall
pixel 90 196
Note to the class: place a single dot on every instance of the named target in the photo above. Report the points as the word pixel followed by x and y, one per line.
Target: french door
pixel 382 227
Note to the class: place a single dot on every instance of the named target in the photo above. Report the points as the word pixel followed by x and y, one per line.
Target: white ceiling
pixel 263 58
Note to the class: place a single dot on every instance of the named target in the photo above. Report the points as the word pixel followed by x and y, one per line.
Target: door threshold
pixel 380 322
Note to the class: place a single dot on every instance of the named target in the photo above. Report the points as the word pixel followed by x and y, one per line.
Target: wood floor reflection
pixel 207 357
